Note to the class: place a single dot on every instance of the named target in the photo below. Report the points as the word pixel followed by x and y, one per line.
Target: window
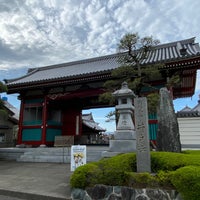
pixel 54 116
pixel 2 137
pixel 33 114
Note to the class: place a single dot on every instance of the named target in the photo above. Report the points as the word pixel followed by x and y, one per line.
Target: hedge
pixel 180 171
pixel 187 181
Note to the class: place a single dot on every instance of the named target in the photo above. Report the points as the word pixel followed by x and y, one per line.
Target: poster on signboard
pixel 78 156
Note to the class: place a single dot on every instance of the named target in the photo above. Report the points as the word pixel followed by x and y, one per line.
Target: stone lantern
pixel 125 109
pixel 124 136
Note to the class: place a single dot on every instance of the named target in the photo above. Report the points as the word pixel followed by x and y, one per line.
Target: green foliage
pixel 108 171
pixel 173 81
pixel 193 152
pixel 164 179
pixel 179 171
pixel 107 98
pixel 86 175
pixel 169 161
pixel 141 180
pixel 3 87
pixel 152 100
pixel 113 168
pixel 112 115
pixel 187 182
pixel 161 179
pixel 131 42
pixel 137 76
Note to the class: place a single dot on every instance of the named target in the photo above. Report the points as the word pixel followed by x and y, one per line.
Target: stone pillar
pixel 124 138
pixel 142 135
pixel 168 137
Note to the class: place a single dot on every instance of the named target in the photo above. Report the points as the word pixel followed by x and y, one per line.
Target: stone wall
pixel 103 192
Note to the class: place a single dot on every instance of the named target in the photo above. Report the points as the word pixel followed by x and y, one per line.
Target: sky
pixel 36 33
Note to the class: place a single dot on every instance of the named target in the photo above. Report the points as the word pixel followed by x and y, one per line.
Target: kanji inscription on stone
pixel 142 135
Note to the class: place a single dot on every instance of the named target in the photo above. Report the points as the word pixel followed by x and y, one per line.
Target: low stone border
pixel 103 192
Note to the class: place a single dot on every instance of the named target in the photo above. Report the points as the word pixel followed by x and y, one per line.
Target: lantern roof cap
pixel 124 91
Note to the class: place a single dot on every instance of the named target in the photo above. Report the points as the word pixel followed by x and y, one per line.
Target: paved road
pixel 38 180
pixel 2 197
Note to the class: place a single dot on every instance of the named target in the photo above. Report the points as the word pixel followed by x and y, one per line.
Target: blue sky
pixel 37 33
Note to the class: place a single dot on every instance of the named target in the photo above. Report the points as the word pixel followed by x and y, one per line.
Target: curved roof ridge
pixel 185 41
pixel 88 60
pixel 34 70
pixel 93 59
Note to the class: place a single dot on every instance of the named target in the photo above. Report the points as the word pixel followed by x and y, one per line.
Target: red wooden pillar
pixel 44 121
pixel 21 117
pixel 72 122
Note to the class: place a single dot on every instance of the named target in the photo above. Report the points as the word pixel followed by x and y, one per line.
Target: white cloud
pixel 38 33
pixel 55 31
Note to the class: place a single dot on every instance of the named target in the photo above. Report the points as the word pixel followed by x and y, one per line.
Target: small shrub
pixel 170 171
pixel 187 182
pixel 193 152
pixel 86 175
pixel 147 180
pixel 141 180
pixel 164 179
pixel 113 168
pixel 169 161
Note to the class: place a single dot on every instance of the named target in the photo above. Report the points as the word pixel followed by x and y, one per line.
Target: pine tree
pixel 132 51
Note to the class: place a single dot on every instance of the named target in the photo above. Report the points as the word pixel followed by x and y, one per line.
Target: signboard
pixel 63 141
pixel 78 156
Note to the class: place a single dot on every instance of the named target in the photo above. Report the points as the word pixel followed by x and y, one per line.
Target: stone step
pixel 56 155
pixel 59 155
pixel 52 159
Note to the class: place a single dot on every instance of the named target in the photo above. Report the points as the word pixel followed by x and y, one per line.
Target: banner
pixel 78 156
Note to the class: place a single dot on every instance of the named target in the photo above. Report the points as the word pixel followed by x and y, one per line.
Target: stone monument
pixel 124 138
pixel 142 135
pixel 168 137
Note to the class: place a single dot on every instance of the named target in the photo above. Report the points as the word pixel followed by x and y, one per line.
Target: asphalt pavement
pixel 34 181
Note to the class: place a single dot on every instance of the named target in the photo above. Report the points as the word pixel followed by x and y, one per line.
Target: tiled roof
pixel 89 122
pixel 197 107
pixel 188 112
pixel 13 109
pixel 186 109
pixel 14 112
pixel 160 54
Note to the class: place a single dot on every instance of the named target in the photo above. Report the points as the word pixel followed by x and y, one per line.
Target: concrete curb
pixel 30 196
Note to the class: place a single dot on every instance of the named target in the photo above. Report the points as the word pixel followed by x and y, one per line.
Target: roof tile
pixel 160 54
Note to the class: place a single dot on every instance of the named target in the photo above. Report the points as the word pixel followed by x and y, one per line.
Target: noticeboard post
pixel 78 156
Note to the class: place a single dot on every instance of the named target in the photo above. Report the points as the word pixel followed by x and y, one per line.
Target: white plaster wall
pixel 189 128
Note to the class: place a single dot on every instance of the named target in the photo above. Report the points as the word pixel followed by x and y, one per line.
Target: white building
pixel 189 126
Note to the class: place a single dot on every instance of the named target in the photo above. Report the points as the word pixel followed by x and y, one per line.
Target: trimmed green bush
pixel 170 170
pixel 164 179
pixel 169 161
pixel 147 180
pixel 140 180
pixel 113 168
pixel 187 182
pixel 108 171
pixel 193 152
pixel 86 175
